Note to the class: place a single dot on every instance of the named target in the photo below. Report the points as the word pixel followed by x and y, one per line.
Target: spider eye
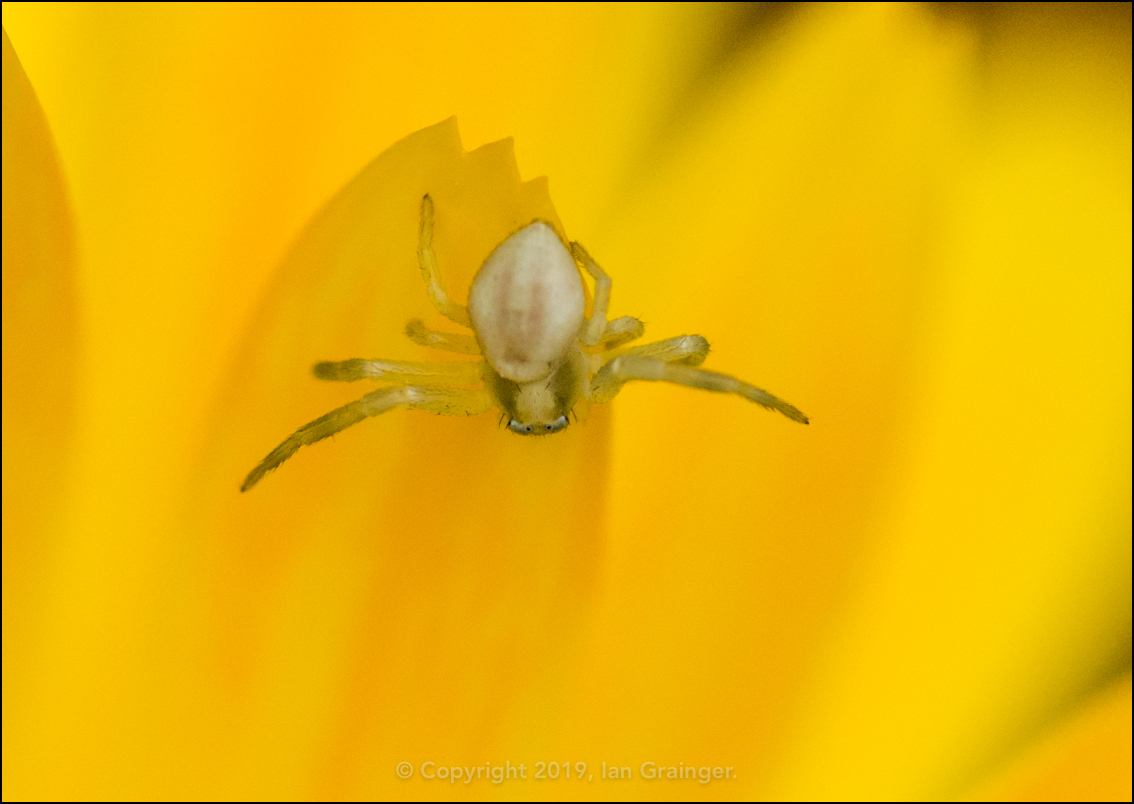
pixel 537 429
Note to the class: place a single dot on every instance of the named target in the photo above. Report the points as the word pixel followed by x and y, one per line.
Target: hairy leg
pixel 593 331
pixel 462 344
pixel 446 306
pixel 445 401
pixel 609 379
pixel 688 349
pixel 453 372
pixel 620 331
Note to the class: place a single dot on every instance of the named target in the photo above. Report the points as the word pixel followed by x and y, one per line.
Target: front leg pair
pixel 674 361
pixel 445 401
pixel 424 386
pixel 421 386
pixel 671 360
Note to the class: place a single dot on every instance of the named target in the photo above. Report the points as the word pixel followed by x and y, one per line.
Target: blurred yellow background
pixel 912 223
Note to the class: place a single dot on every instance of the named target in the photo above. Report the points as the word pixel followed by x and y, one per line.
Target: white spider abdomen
pixel 526 304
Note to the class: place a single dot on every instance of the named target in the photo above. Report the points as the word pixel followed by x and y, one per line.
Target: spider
pixel 541 355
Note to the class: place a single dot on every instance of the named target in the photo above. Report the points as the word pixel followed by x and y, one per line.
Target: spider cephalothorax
pixel 540 354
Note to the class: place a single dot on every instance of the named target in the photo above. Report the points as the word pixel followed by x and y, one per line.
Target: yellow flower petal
pixel 480 548
pixel 40 362
pixel 997 590
pixel 198 141
pixel 792 228
pixel 1086 758
pixel 884 603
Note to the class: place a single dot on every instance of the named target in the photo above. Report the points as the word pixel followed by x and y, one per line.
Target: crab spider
pixel 541 355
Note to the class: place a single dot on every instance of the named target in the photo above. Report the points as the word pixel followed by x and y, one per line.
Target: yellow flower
pixel 914 225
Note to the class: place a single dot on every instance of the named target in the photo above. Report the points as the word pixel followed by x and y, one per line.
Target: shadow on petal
pixel 40 361
pixel 1085 758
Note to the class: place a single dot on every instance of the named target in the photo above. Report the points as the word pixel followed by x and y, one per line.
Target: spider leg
pixel 445 401
pixel 462 344
pixel 688 349
pixel 447 307
pixel 621 331
pixel 609 379
pixel 594 328
pixel 453 372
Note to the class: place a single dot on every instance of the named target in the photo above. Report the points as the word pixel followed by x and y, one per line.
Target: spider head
pixel 540 407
